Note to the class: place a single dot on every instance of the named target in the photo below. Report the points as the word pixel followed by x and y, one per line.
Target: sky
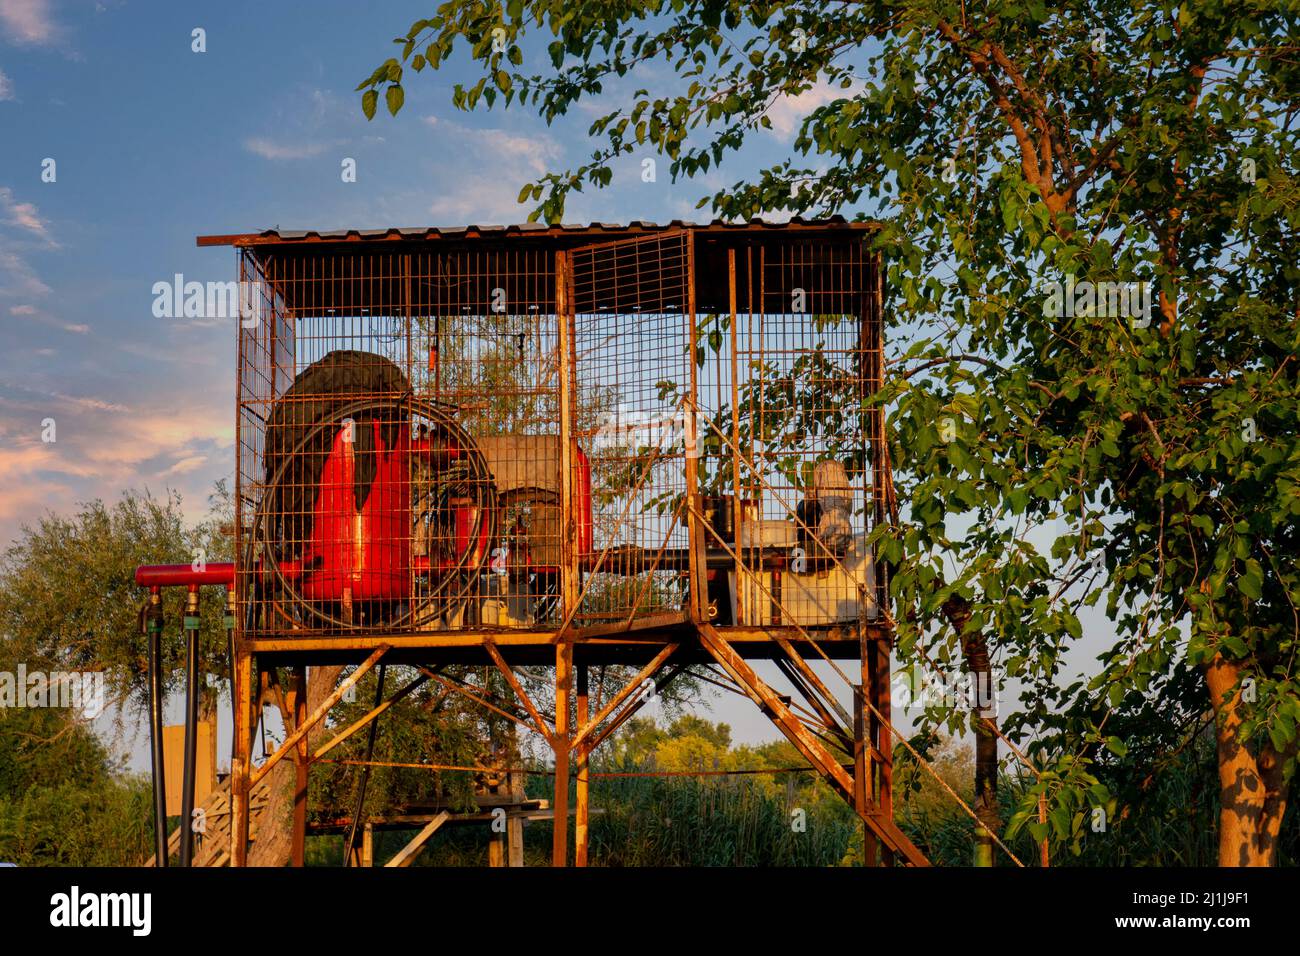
pixel 153 144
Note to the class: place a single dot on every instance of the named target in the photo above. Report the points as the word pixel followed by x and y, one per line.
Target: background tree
pixel 68 602
pixel 68 598
pixel 1048 456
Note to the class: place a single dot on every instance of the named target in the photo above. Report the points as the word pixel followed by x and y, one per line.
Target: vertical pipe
pixel 154 627
pixel 190 624
pixel 560 742
pixel 349 845
pixel 1044 858
pixel 582 812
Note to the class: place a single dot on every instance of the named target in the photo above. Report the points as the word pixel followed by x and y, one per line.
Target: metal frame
pixel 721 287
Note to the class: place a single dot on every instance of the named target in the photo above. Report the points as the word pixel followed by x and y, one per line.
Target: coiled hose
pixel 477 483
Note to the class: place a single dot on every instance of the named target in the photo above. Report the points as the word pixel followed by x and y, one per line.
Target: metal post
pixel 738 492
pixel 560 741
pixel 298 856
pixel 154 627
pixel 696 557
pixel 582 811
pixel 569 583
pixel 190 625
pixel 862 768
pixel 883 739
pixel 242 707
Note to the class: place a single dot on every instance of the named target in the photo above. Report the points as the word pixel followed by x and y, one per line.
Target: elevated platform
pixel 592 646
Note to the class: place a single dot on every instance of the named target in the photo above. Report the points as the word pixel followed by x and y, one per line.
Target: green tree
pixel 1048 455
pixel 68 598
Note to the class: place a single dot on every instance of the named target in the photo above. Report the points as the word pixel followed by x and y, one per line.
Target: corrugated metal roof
pixel 529 229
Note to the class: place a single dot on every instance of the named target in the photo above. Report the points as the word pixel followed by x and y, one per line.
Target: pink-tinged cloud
pixel 24 215
pixel 17 278
pixel 28 21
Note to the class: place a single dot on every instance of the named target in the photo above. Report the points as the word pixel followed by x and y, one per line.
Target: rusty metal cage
pixel 556 429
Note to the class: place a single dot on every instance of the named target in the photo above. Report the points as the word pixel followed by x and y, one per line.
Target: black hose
pixel 154 625
pixel 360 807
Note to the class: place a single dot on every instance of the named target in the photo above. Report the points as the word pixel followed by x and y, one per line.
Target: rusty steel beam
pixel 628 711
pixel 807 744
pixel 316 716
pixel 241 759
pixel 374 714
pixel 538 724
pixel 466 690
pixel 628 690
pixel 799 680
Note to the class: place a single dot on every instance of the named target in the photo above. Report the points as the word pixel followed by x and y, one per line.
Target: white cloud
pixel 28 21
pixel 6 88
pixel 491 165
pixel 104 446
pixel 788 112
pixel 479 200
pixel 517 150
pixel 90 402
pixel 270 149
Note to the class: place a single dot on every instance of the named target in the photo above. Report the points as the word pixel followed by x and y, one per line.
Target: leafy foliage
pixel 1139 456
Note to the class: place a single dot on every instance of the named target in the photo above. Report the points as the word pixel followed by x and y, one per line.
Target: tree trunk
pixel 209 714
pixel 274 841
pixel 975 650
pixel 1252 792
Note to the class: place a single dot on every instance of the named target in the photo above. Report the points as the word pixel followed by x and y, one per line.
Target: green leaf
pixel 368 101
pixel 394 97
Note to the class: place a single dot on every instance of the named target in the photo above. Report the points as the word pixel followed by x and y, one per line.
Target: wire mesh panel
pixel 634 413
pixel 783 388
pixel 401 465
pixel 399 442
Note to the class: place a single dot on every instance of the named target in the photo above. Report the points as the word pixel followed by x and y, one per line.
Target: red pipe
pixel 173 575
